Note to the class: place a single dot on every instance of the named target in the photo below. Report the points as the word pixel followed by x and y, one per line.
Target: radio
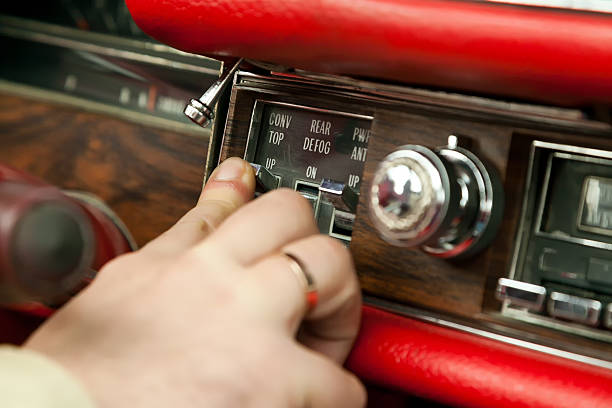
pixel 563 265
pixel 414 182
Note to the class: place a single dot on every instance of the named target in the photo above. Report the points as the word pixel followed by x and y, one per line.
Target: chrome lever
pixel 201 111
pixel 339 194
pixel 343 201
pixel 264 180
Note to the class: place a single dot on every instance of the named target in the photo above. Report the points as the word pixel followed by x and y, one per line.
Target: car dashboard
pixel 482 213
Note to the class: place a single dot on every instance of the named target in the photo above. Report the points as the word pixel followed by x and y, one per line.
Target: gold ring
pixel 306 279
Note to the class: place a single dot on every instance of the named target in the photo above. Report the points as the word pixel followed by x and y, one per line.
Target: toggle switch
pixel 339 194
pixel 336 206
pixel 264 180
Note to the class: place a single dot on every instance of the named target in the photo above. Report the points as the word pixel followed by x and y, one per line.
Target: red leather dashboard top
pixel 466 370
pixel 542 54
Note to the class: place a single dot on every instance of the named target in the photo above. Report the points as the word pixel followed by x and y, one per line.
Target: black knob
pixel 46 244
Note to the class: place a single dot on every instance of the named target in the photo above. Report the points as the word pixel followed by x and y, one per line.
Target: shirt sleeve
pixel 30 380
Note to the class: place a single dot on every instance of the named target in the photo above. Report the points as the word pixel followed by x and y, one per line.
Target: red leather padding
pixel 560 57
pixel 467 370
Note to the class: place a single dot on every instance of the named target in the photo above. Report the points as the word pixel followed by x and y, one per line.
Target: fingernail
pixel 230 169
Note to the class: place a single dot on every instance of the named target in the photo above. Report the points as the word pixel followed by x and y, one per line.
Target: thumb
pixel 230 186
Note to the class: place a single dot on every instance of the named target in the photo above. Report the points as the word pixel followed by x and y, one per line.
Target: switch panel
pixel 320 153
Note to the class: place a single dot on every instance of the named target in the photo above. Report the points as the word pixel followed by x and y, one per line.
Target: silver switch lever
pixel 341 196
pixel 201 111
pixel 265 181
pixel 336 207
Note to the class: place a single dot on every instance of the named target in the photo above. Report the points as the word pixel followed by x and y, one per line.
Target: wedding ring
pixel 306 280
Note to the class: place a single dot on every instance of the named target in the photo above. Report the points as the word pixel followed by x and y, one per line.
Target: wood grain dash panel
pixel 409 275
pixel 456 291
pixel 150 177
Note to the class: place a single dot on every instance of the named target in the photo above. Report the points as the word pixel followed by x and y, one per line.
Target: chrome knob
pixel 444 200
pixel 411 196
pixel 201 111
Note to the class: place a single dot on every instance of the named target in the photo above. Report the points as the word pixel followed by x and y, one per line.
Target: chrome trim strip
pixel 103 108
pixel 104 45
pixel 423 98
pixel 575 329
pixel 581 241
pixel 26 26
pixel 601 6
pixel 518 239
pixel 573 149
pixel 314 109
pixel 103 50
pixel 431 318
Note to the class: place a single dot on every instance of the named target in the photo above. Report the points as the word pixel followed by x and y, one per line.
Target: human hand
pixel 207 314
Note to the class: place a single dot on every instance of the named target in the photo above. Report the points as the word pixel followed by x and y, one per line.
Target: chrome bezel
pixel 458 156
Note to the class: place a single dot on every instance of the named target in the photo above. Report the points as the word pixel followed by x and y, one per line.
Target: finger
pixel 332 325
pixel 230 186
pixel 264 226
pixel 322 383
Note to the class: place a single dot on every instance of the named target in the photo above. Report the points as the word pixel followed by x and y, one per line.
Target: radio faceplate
pixel 307 134
pixel 564 245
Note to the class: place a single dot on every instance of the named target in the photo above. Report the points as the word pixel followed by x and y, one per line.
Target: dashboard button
pixel 607 319
pixel 521 294
pixel 574 308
